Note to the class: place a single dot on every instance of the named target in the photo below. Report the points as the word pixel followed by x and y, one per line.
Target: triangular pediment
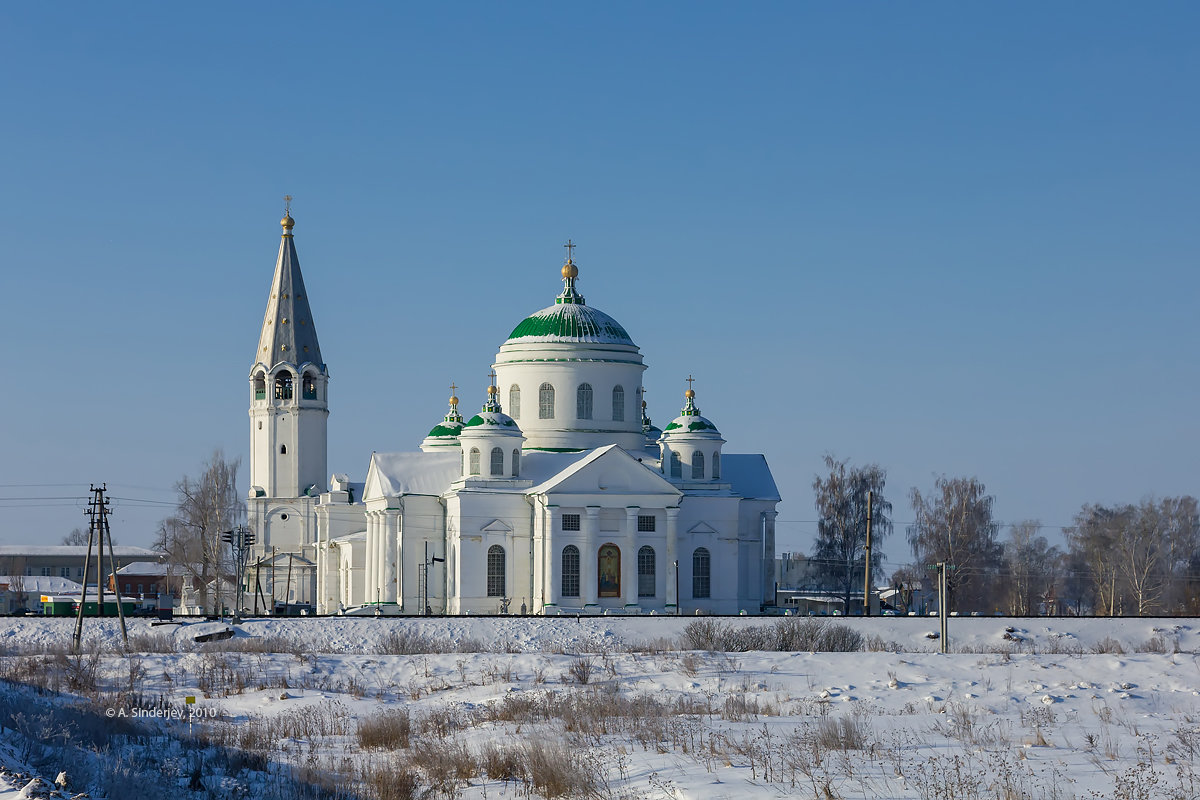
pixel 702 527
pixel 608 470
pixel 373 488
pixel 497 526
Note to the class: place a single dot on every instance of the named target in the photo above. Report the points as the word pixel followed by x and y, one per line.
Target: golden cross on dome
pixel 690 381
pixel 453 388
pixel 287 205
pixel 570 248
pixel 492 377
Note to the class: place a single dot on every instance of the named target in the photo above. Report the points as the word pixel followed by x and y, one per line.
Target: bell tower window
pixel 283 386
pixel 260 387
pixel 309 387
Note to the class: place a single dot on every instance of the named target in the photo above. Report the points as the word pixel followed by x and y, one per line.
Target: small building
pixel 66 561
pixel 23 592
pixel 146 579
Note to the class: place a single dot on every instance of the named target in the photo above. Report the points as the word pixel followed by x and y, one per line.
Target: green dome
pixel 491 418
pixel 445 430
pixel 690 423
pixel 570 322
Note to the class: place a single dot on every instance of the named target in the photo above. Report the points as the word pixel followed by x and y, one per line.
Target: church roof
pixel 570 319
pixel 288 333
pixel 749 475
pixel 570 322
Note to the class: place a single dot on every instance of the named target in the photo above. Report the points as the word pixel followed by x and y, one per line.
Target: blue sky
pixel 946 238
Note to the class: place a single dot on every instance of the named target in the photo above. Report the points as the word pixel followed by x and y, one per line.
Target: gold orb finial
pixel 287 222
pixel 453 400
pixel 492 390
pixel 689 394
pixel 569 270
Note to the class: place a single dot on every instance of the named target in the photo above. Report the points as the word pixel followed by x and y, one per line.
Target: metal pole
pixel 867 562
pixel 87 557
pixel 943 612
pixel 112 562
pixel 677 603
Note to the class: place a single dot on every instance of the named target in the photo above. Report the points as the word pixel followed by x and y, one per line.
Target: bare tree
pixel 191 537
pixel 14 568
pixel 954 524
pixel 1138 556
pixel 1033 567
pixel 841 501
pixel 77 537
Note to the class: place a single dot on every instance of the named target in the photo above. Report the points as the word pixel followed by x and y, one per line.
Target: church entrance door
pixel 609 568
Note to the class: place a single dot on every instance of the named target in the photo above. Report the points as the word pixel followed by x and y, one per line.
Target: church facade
pixel 557 496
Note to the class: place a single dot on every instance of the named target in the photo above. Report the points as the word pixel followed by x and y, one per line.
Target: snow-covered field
pixel 605 707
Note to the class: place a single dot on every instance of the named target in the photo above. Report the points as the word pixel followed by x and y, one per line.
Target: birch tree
pixel 1032 565
pixel 191 537
pixel 841 502
pixel 954 524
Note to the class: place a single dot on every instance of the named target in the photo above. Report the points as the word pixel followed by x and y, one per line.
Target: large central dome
pixel 571 376
pixel 570 322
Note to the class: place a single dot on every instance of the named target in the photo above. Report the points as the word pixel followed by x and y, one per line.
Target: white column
pixel 391 544
pixel 551 558
pixel 672 557
pixel 629 548
pixel 768 534
pixel 589 574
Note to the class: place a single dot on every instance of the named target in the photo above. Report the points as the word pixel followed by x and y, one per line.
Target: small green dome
pixel 492 418
pixel 691 423
pixel 446 430
pixel 570 322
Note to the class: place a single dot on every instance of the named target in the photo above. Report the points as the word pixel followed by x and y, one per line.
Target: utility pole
pixel 867 561
pixel 240 540
pixel 425 565
pixel 98 511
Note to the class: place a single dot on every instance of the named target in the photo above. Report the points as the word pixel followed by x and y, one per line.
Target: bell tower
pixel 289 404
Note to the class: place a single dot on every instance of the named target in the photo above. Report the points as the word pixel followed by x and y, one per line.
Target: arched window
pixel 697 466
pixel 260 387
pixel 516 472
pixel 474 470
pixel 618 404
pixel 583 401
pixel 309 387
pixel 514 401
pixel 646 572
pixel 716 468
pixel 546 401
pixel 283 449
pixel 608 566
pixel 701 564
pixel 497 461
pixel 676 465
pixel 495 571
pixel 283 386
pixel 570 571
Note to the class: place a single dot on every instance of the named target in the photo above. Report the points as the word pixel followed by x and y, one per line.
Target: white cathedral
pixel 562 499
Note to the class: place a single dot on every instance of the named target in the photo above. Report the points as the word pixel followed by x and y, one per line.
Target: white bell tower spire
pixel 289 405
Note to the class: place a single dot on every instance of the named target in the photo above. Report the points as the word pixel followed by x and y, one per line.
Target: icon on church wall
pixel 610 571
